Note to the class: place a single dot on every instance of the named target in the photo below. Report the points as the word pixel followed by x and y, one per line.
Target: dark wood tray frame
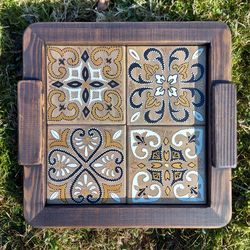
pixel 221 125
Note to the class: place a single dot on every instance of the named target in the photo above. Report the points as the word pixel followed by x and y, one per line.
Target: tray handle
pixel 224 125
pixel 30 124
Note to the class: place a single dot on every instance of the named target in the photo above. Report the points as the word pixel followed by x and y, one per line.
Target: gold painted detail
pixel 63 141
pixel 52 107
pixel 181 69
pixel 108 189
pixel 114 113
pixel 182 100
pixel 150 70
pixel 113 55
pixel 73 60
pixel 151 101
pixel 61 189
pixel 109 142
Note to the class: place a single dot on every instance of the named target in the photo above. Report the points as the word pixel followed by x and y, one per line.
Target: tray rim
pixel 217 211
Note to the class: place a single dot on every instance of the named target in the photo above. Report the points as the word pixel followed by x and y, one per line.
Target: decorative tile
pixel 86 84
pixel 86 165
pixel 163 97
pixel 166 165
pixel 166 85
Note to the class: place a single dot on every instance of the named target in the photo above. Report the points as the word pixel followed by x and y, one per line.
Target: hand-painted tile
pixel 86 84
pixel 86 164
pixel 166 85
pixel 166 165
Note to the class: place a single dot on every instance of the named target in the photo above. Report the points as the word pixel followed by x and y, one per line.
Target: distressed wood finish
pixel 30 112
pixel 216 37
pixel 224 101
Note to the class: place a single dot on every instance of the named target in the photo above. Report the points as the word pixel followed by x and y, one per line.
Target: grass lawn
pixel 15 16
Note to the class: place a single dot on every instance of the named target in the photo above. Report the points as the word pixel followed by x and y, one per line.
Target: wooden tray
pixel 127 124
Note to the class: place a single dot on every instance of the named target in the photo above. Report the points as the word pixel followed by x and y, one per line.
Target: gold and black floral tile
pixel 166 165
pixel 86 164
pixel 166 85
pixel 86 84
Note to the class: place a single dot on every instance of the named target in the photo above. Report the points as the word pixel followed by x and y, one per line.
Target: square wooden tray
pixel 42 126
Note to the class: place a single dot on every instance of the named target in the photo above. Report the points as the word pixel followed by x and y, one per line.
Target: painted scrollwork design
pixel 153 63
pixel 57 62
pixel 86 188
pixel 143 190
pixel 191 189
pixel 163 95
pixel 166 167
pixel 110 109
pixel 182 54
pixel 57 108
pixel 190 135
pixel 89 80
pixel 63 165
pixel 141 140
pixel 86 166
pixel 110 59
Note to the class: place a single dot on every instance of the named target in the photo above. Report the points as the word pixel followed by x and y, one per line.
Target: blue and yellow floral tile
pixel 166 85
pixel 86 164
pixel 86 84
pixel 166 165
pixel 126 124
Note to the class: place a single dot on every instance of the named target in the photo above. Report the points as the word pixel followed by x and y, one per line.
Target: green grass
pixel 15 16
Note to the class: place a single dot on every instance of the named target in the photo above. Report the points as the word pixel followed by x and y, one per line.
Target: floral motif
pixel 164 86
pixel 167 85
pixel 86 166
pixel 110 109
pixel 61 110
pixel 143 190
pixel 59 59
pixel 163 165
pixel 111 60
pixel 84 76
pixel 191 189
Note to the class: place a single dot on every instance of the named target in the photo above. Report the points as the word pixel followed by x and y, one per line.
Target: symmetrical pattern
pixel 166 165
pixel 126 124
pixel 166 85
pixel 86 84
pixel 86 165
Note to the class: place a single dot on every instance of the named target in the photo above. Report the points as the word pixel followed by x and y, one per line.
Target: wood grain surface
pixel 224 101
pixel 30 111
pixel 217 39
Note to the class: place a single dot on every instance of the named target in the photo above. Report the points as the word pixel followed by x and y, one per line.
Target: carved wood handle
pixel 30 144
pixel 224 126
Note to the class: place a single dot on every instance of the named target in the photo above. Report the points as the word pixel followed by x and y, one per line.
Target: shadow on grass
pixel 14 233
